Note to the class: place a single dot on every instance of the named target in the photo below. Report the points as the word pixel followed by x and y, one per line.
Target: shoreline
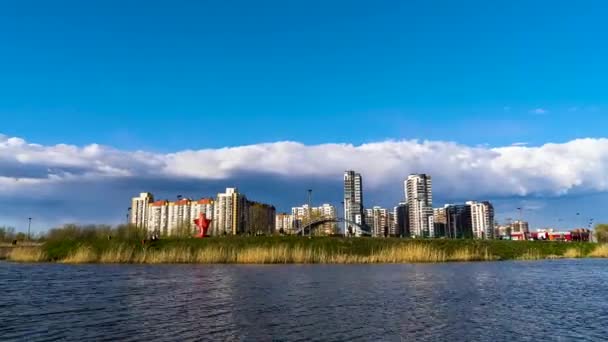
pixel 296 250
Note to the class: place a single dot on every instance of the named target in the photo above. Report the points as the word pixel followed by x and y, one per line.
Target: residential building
pixel 230 213
pixel 503 230
pixel 418 193
pixel 402 220
pixel 139 209
pixel 300 215
pixel 519 226
pixel 284 223
pixel 377 220
pixel 260 218
pixel 440 221
pixel 458 221
pixel 203 206
pixel 482 219
pixel 329 211
pixel 353 197
pixel 179 220
pixel 158 218
pixel 368 219
pixel 392 224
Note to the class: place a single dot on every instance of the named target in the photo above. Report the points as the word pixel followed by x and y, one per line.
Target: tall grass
pixel 601 251
pixel 278 254
pixel 83 255
pixel 531 254
pixel 89 247
pixel 123 253
pixel 573 253
pixel 27 254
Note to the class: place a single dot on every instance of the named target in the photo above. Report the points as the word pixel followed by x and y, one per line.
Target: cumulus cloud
pixel 62 172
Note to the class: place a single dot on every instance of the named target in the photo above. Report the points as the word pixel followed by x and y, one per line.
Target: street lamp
pixel 520 215
pixel 344 218
pixel 128 214
pixel 29 225
pixel 309 213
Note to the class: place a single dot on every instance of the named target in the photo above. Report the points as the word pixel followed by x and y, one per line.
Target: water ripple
pixel 564 300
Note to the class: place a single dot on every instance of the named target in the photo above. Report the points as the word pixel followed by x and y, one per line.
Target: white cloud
pixel 552 169
pixel 539 111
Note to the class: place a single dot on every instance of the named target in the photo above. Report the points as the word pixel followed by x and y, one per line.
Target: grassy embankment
pixel 264 250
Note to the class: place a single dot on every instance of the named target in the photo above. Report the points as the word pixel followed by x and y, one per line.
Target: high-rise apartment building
pixel 300 215
pixel 482 219
pixel 203 206
pixel 139 209
pixel 230 213
pixel 260 218
pixel 458 221
pixel 377 219
pixel 418 192
pixel 284 223
pixel 392 224
pixel 158 218
pixel 440 221
pixel 179 220
pixel 402 222
pixel 353 197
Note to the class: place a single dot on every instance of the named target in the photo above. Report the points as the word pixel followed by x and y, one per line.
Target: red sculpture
pixel 203 225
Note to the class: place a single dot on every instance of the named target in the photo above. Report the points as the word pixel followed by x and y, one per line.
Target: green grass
pixel 324 248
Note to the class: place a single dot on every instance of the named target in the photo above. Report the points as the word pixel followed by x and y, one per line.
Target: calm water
pixel 564 300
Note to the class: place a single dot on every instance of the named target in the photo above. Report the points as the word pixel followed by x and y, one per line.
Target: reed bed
pixel 280 254
pixel 83 255
pixel 121 254
pixel 289 250
pixel 531 254
pixel 573 253
pixel 27 254
pixel 601 251
pixel 468 254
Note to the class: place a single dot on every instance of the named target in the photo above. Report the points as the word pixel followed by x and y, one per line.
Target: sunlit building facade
pixel 419 195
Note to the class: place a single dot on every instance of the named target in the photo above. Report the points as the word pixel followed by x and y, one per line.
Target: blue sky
pixel 164 77
pixel 155 75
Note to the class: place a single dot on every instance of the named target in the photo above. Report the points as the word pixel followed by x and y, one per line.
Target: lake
pixel 560 300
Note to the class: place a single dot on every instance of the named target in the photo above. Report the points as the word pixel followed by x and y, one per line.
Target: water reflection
pixel 549 300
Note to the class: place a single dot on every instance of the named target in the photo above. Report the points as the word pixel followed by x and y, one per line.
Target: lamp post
pixel 128 215
pixel 309 213
pixel 344 218
pixel 29 225
pixel 520 209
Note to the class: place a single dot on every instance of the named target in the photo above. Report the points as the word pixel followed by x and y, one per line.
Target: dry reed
pixel 282 254
pixel 601 251
pixel 472 255
pixel 573 253
pixel 181 255
pixel 531 254
pixel 83 255
pixel 121 254
pixel 27 254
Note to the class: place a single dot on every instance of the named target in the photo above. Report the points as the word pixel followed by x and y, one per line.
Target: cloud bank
pixel 40 176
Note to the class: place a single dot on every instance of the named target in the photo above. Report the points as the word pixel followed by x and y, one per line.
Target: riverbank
pixel 279 250
pixel 6 249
